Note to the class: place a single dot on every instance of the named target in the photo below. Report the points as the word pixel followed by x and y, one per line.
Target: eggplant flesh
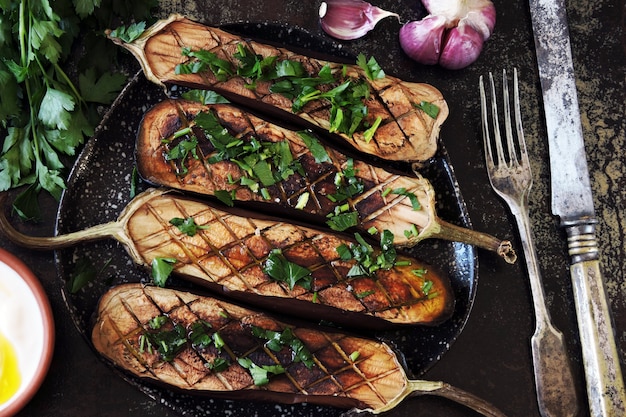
pixel 229 254
pixel 406 132
pixel 377 204
pixel 201 345
pixel 401 204
pixel 231 251
pixel 346 371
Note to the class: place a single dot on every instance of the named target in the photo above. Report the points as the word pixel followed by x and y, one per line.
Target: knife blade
pixel 572 202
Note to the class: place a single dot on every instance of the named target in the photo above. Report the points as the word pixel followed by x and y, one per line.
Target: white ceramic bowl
pixel 27 327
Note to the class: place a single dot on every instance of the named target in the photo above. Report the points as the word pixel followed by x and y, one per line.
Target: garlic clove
pixel 483 20
pixel 350 19
pixel 462 46
pixel 422 40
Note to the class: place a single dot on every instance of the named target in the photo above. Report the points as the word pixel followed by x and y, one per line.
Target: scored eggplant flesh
pixel 229 254
pixel 406 132
pixel 309 365
pixel 384 203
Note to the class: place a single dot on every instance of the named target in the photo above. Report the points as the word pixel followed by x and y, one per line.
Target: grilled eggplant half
pixel 222 150
pixel 271 263
pixel 202 345
pixel 392 119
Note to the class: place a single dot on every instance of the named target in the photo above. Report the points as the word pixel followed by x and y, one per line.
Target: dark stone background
pixel 491 358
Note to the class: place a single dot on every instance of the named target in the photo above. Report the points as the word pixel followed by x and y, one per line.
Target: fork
pixel 511 177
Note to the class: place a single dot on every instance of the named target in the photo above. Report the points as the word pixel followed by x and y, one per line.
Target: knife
pixel 572 202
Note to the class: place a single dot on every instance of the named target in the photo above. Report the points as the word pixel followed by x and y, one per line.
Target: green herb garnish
pixel 367 260
pixel 315 147
pixel 280 269
pixel 161 270
pixel 371 67
pixel 128 33
pixel 343 221
pixel 430 109
pixel 289 78
pixel 275 341
pixel 83 274
pixel 260 374
pixel 218 365
pixel 205 97
pixel 187 226
pixel 182 151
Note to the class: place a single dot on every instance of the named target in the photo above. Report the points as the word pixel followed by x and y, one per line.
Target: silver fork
pixel 511 178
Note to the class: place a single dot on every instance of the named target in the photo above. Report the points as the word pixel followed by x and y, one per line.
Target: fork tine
pixel 518 120
pixel 508 126
pixel 485 123
pixel 496 124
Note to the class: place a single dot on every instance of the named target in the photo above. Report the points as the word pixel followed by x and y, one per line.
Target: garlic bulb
pixel 350 19
pixel 462 27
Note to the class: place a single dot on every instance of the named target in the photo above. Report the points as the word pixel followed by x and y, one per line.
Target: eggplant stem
pixel 98 232
pixel 450 392
pixel 438 389
pixel 449 231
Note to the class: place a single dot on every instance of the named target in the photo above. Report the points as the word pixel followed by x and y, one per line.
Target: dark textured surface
pixel 491 358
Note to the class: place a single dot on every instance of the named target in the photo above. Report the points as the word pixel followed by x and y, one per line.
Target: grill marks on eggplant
pixel 406 132
pixel 375 206
pixel 346 371
pixel 231 251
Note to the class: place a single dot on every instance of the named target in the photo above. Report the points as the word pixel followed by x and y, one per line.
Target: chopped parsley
pixel 282 270
pixel 347 183
pixel 341 221
pixel 264 163
pixel 367 260
pixel 275 341
pixel 315 147
pixel 260 374
pixel 168 343
pixel 430 109
pixel 161 270
pixel 415 203
pixel 348 111
pixel 183 150
pixel 187 226
pixel 371 67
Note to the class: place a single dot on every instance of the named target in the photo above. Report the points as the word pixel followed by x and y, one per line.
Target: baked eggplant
pixel 205 346
pixel 219 148
pixel 271 263
pixel 392 119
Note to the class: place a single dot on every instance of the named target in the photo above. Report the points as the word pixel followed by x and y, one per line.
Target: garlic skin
pixel 463 45
pixel 422 40
pixel 350 19
pixel 466 25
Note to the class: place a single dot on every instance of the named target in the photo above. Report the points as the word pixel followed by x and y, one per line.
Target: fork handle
pixel 554 381
pixel 605 384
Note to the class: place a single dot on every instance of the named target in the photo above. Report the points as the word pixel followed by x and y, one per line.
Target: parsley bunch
pixel 46 111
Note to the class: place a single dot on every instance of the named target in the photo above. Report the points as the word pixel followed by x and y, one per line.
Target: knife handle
pixel 605 384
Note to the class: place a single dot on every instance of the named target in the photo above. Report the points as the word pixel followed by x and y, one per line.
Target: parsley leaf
pixel 100 90
pixel 280 269
pixel 260 374
pixel 161 270
pixel 277 340
pixel 130 33
pixel 317 149
pixel 43 115
pixel 429 108
pixel 187 226
pixel 371 67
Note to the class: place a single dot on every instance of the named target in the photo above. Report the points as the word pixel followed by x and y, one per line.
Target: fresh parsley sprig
pixel 46 112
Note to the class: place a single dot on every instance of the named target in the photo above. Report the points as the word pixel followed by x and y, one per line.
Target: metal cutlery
pixel 572 202
pixel 511 177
